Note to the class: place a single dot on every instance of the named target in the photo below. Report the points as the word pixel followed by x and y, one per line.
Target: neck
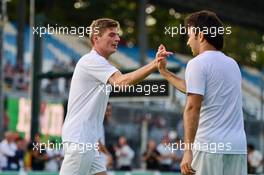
pixel 207 47
pixel 100 52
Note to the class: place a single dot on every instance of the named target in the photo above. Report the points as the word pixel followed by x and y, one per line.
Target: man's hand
pixel 161 58
pixel 186 163
pixel 132 78
pixel 162 65
pixel 161 54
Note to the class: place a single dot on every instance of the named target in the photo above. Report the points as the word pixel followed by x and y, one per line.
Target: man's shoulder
pixel 203 56
pixel 92 58
pixel 87 56
pixel 196 61
pixel 208 57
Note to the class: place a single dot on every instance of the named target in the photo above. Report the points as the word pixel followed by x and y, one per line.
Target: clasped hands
pixel 160 60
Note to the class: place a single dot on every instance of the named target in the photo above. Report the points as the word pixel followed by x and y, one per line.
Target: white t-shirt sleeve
pixel 100 69
pixel 195 78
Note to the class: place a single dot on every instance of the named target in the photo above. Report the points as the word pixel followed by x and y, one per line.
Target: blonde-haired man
pixel 88 99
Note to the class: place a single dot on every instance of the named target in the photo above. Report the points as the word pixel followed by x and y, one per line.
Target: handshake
pixel 160 60
pixel 160 63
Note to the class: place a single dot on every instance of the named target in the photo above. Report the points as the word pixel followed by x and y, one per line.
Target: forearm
pixel 174 80
pixel 138 75
pixel 191 121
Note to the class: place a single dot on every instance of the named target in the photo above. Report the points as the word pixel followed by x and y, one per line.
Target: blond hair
pixel 99 26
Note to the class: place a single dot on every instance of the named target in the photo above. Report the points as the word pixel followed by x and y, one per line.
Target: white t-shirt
pixel 164 151
pixel 88 99
pixel 52 165
pixel 221 126
pixel 7 149
pixel 124 156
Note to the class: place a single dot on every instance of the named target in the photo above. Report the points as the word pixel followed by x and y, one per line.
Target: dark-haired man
pixel 215 141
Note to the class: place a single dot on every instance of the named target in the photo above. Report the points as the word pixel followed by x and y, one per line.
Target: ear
pixel 95 38
pixel 201 36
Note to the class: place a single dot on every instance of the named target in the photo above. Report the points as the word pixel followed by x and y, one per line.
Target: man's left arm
pixel 191 121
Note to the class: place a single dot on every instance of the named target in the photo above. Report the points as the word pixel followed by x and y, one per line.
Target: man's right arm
pixel 132 78
pixel 138 75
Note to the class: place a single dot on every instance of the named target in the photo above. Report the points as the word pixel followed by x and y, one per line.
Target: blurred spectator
pixel 9 75
pixel 8 151
pixel 39 154
pixel 54 157
pixel 152 156
pixel 102 145
pixel 28 157
pixel 177 158
pixel 2 159
pixel 124 155
pixel 255 159
pixel 166 155
pixel 18 159
pixel 53 86
pixel 20 79
pixel 107 154
pixel 113 164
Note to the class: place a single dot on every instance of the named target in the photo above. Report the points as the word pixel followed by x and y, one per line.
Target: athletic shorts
pixel 80 162
pixel 219 164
